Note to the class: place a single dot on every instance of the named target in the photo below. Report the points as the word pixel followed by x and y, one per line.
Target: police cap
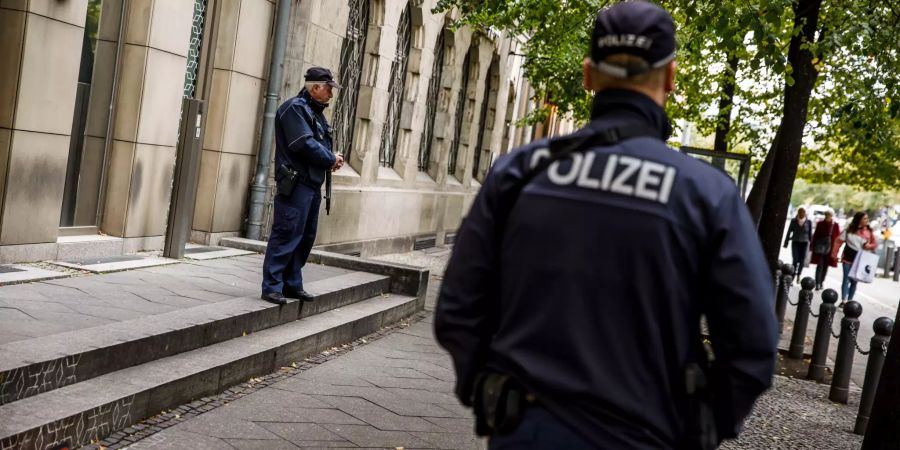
pixel 637 28
pixel 320 74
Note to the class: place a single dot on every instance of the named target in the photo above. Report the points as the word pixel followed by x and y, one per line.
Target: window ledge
pixel 387 173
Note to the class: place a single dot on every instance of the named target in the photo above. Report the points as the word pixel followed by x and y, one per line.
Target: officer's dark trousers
pixel 540 430
pixel 293 233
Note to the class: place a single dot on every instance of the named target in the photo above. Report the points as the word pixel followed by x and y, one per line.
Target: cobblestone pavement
pixel 796 414
pixel 395 390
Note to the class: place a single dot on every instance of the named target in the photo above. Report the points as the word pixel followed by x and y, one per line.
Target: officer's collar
pixel 614 102
pixel 313 103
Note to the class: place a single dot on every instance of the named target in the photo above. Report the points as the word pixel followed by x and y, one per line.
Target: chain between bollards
pixel 858 348
pixel 883 347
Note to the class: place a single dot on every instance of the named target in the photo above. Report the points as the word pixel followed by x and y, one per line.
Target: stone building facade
pixel 91 95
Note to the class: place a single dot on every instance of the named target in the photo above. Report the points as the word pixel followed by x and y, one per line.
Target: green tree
pixel 842 197
pixel 812 76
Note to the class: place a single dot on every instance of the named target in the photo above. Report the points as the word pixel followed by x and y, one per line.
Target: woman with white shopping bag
pixel 859 239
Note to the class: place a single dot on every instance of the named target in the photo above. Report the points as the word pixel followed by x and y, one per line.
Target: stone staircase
pixel 73 388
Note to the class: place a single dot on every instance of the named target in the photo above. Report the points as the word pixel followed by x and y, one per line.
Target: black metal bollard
pixel 888 260
pixel 843 361
pixel 883 326
pixel 823 336
pixel 781 300
pixel 798 337
pixel 897 266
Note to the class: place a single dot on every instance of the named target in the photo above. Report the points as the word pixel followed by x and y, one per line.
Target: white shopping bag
pixel 863 268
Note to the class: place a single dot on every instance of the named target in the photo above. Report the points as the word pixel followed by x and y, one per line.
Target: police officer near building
pixel 303 154
pixel 572 303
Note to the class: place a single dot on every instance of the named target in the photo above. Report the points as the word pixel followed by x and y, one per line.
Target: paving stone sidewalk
pixel 397 392
pixel 83 301
pixel 394 392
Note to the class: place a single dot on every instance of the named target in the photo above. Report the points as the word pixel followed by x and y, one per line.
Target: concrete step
pixel 90 246
pixel 34 366
pixel 75 415
pixel 244 244
pixel 405 279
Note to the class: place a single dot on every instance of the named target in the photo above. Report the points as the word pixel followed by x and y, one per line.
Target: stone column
pixel 40 49
pixel 230 143
pixel 148 111
pixel 90 172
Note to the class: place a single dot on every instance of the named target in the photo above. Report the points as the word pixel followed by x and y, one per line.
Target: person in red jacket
pixel 827 231
pixel 859 237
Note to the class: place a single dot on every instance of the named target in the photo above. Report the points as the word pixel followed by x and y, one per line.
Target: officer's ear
pixel 671 68
pixel 587 82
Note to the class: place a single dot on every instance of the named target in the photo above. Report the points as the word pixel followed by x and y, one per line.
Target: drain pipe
pixel 258 187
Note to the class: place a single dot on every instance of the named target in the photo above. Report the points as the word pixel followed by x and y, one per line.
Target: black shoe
pixel 274 297
pixel 298 294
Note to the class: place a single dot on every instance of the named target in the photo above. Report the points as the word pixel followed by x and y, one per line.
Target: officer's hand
pixel 338 162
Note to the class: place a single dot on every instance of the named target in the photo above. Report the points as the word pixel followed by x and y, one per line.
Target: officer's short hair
pixel 652 78
pixel 309 84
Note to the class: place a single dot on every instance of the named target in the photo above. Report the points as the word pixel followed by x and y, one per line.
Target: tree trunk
pixel 883 431
pixel 756 201
pixel 723 124
pixel 790 132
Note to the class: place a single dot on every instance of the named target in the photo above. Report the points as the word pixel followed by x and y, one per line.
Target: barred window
pixel 434 88
pixel 482 126
pixel 460 105
pixel 349 76
pixel 388 152
pixel 487 120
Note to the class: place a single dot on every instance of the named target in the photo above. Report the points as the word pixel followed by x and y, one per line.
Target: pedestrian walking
pixel 567 331
pixel 825 236
pixel 303 153
pixel 799 231
pixel 855 238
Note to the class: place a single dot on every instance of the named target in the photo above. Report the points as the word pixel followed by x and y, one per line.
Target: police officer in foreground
pixel 303 153
pixel 572 303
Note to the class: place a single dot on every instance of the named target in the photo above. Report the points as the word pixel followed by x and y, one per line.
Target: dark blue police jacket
pixel 303 139
pixel 607 262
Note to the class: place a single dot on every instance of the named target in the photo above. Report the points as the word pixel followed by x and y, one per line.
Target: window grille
pixel 434 88
pixel 482 126
pixel 349 76
pixel 388 152
pixel 460 104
